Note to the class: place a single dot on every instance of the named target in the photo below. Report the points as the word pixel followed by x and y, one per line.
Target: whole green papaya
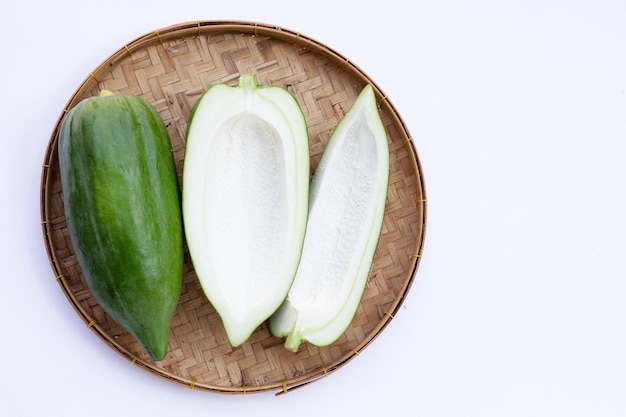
pixel 122 206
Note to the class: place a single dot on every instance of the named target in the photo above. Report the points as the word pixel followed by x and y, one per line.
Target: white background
pixel 518 110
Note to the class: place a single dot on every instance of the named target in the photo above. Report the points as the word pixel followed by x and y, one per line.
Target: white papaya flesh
pixel 346 208
pixel 245 199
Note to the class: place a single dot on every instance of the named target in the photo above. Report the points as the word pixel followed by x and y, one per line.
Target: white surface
pixel 518 109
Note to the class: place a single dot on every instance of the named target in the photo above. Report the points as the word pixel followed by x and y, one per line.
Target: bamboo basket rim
pixel 207 28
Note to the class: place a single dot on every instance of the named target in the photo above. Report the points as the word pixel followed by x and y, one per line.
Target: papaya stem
pixel 293 341
pixel 248 82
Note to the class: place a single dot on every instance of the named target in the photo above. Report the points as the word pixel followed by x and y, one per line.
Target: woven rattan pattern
pixel 171 68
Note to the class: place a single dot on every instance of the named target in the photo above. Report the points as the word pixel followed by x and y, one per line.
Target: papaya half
pixel 245 199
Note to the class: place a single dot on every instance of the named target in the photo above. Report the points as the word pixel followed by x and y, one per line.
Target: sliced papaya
pixel 245 199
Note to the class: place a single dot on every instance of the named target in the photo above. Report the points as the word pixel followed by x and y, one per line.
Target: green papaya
pixel 245 199
pixel 122 205
pixel 347 200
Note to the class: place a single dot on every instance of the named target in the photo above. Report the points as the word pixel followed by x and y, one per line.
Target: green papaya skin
pixel 122 206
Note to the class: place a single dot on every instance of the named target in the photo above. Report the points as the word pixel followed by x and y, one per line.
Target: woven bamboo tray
pixel 171 68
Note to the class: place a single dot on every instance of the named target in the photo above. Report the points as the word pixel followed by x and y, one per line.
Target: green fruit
pixel 122 206
pixel 347 205
pixel 245 199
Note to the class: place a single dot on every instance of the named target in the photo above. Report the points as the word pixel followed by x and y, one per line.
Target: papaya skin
pixel 122 206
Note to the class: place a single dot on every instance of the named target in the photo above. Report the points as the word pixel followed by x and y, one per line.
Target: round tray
pixel 171 68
